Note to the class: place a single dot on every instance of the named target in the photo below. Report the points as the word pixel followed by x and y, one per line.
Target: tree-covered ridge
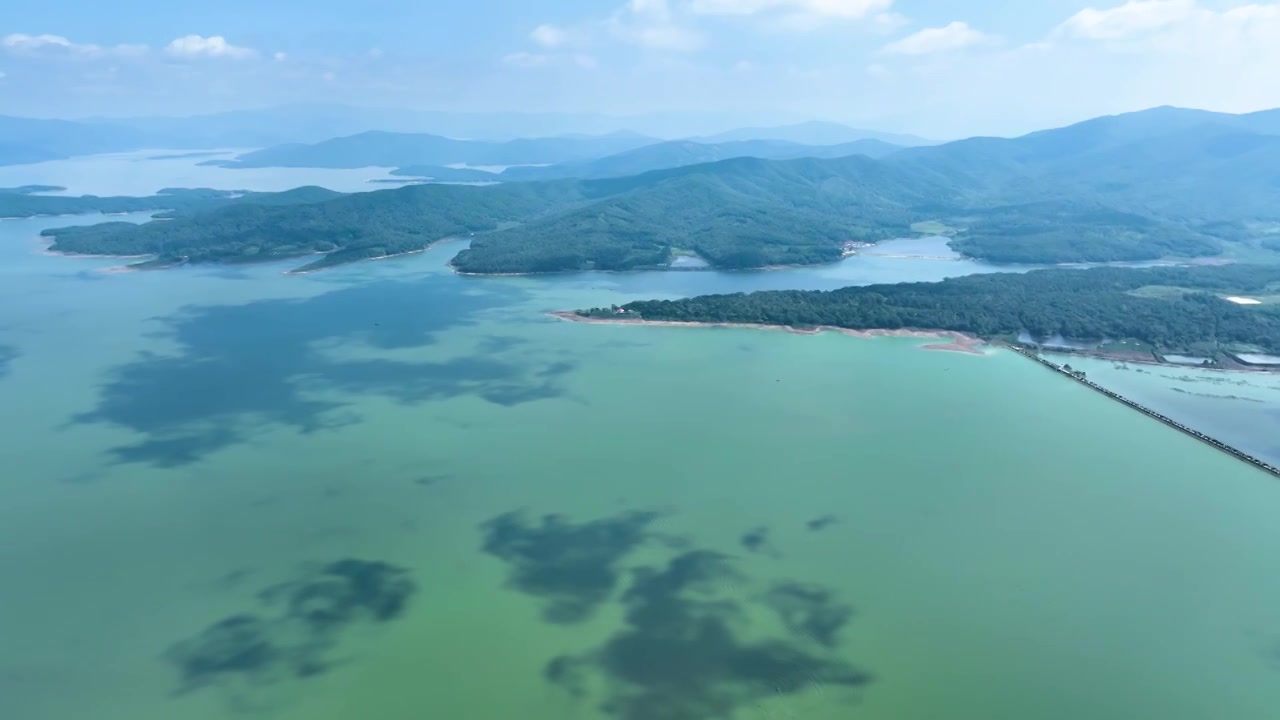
pixel 1078 232
pixel 349 227
pixel 1094 304
pixel 23 202
pixel 740 213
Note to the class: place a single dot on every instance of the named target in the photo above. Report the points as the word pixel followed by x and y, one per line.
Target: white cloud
pixel 1248 32
pixel 954 36
pixel 214 46
pixel 1133 18
pixel 3 75
pixel 549 36
pixel 649 24
pixel 280 57
pixel 852 9
pixel 23 44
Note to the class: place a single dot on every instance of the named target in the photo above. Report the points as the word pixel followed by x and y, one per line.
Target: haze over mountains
pixel 24 140
pixel 1160 183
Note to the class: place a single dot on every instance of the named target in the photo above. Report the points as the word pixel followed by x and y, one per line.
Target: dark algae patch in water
pixel 293 633
pixel 7 356
pixel 240 367
pixel 681 652
pixel 809 611
pixel 680 655
pixel 572 567
pixel 756 540
pixel 822 523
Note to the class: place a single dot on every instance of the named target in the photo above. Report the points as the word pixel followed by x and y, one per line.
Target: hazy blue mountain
pixel 314 122
pixel 407 149
pixel 680 153
pixel 25 140
pixel 1186 163
pixel 813 133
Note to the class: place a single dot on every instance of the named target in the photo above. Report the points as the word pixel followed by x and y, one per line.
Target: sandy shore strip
pixel 958 341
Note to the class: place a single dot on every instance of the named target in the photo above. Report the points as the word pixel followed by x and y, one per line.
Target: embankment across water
pixel 1239 454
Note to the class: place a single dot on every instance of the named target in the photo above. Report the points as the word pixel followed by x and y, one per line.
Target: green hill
pixel 350 227
pixel 739 213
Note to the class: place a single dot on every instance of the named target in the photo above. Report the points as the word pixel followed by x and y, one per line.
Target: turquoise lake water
pixel 387 491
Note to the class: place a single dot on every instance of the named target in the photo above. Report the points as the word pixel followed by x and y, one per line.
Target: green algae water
pixel 385 491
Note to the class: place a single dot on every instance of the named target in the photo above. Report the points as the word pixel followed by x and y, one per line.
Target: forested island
pixel 1168 308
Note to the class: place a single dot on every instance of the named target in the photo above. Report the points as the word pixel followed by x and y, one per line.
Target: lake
pixel 138 173
pixel 388 491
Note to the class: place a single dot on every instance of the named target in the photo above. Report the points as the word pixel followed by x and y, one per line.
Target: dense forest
pixel 1088 304
pixel 349 227
pixel 741 213
pixel 1062 232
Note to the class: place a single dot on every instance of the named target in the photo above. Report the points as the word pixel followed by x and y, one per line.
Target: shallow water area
pixel 386 490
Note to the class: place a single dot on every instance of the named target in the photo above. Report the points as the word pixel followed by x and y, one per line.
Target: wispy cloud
pixel 214 46
pixel 1131 19
pixel 57 45
pixel 854 9
pixel 954 36
pixel 549 36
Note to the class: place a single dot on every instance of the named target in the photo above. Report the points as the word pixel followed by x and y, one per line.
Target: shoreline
pixel 957 341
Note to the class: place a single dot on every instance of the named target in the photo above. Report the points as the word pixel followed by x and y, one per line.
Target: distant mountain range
pixel 680 153
pixel 24 140
pixel 1142 186
pixel 386 149
pixel 813 133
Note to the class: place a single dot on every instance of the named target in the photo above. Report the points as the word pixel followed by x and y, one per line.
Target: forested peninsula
pixel 1168 308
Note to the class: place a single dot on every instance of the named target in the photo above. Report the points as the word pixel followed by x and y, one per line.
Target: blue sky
pixel 936 67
